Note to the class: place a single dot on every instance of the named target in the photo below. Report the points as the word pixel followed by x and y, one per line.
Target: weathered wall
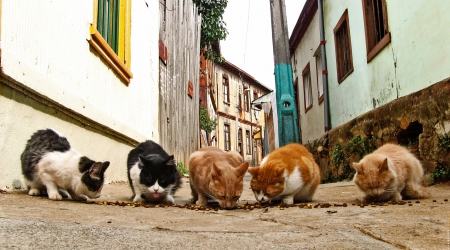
pixel 416 121
pixel 53 78
pixel 179 112
pixel 304 54
pixel 415 58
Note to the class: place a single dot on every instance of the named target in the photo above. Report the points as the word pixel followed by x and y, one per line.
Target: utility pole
pixel 286 109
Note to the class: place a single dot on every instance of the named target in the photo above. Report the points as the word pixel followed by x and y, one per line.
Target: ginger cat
pixel 389 173
pixel 289 173
pixel 218 175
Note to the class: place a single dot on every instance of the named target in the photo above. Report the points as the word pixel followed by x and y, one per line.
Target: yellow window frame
pixel 119 62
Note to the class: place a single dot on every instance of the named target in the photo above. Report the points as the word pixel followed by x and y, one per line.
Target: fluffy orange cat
pixel 389 173
pixel 217 175
pixel 289 173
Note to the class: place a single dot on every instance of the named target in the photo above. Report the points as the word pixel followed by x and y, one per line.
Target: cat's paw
pixel 55 197
pixel 34 192
pixel 200 203
pixel 288 200
pixel 138 198
pixel 170 200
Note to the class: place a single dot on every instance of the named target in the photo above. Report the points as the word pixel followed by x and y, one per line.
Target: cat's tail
pixel 415 192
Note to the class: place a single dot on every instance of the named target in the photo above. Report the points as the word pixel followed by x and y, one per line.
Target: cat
pixel 217 175
pixel 288 173
pixel 389 173
pixel 50 164
pixel 152 174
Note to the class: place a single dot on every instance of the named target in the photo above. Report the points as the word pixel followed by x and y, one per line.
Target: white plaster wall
pixel 414 59
pixel 50 39
pixel 20 119
pixel 44 47
pixel 311 122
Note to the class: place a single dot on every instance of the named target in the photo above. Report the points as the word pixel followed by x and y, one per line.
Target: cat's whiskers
pixel 210 196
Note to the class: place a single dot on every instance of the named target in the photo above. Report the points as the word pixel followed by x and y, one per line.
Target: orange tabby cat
pixel 218 175
pixel 289 173
pixel 389 173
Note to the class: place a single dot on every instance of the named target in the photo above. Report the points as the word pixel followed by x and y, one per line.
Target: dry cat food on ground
pixel 251 206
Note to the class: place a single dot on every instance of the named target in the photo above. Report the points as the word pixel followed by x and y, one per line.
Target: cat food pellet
pixel 417 201
pixel 281 208
pixel 410 204
pixel 446 200
pixel 434 200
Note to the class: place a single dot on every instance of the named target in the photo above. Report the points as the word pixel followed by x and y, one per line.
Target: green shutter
pixel 108 22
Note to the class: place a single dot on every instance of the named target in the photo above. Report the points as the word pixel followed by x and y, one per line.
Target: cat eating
pixel 217 175
pixel 50 164
pixel 152 174
pixel 288 173
pixel 389 173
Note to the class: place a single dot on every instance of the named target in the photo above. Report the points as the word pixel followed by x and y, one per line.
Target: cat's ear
pixel 384 166
pixel 358 167
pixel 105 166
pixel 95 170
pixel 215 172
pixel 240 171
pixel 142 159
pixel 170 161
pixel 280 172
pixel 253 171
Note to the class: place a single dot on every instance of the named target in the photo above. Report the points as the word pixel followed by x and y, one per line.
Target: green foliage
pixel 205 122
pixel 341 156
pixel 444 141
pixel 440 173
pixel 360 146
pixel 213 28
pixel 182 168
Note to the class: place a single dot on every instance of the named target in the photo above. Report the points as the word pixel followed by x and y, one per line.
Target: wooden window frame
pixel 226 85
pixel 240 145
pixel 374 42
pixel 247 100
pixel 227 141
pixel 306 74
pixel 319 75
pixel 119 61
pixel 248 142
pixel 343 24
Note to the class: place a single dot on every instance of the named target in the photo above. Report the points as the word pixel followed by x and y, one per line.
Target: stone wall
pixel 416 121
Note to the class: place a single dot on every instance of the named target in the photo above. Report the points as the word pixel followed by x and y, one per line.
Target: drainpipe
pixel 326 96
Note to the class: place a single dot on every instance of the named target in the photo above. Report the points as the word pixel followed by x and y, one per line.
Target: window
pixel 247 141
pixel 296 94
pixel 319 74
pixel 226 130
pixel 226 89
pixel 255 95
pixel 240 149
pixel 343 47
pixel 307 90
pixel 240 101
pixel 246 101
pixel 375 22
pixel 110 35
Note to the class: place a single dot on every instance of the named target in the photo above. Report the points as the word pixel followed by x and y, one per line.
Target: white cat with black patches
pixel 51 165
pixel 152 174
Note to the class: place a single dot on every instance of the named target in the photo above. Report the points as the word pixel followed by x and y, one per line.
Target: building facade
pixel 239 124
pixel 67 66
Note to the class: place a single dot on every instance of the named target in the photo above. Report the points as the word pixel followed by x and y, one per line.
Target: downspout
pixel 326 96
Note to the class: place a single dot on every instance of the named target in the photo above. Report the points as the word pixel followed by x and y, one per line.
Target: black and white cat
pixel 152 174
pixel 50 164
